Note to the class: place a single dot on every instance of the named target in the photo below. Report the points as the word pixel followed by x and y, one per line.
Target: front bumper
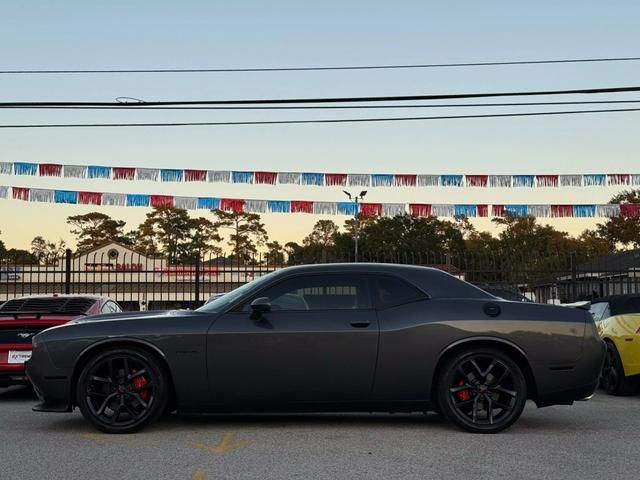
pixel 52 385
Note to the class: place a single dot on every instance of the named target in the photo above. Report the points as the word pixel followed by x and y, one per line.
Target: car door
pixel 318 344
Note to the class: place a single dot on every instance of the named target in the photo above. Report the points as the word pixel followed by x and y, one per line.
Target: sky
pixel 198 34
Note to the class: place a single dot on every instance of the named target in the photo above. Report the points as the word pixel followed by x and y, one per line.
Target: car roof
pixel 433 281
pixel 620 304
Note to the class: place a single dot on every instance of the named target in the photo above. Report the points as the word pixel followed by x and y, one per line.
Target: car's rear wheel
pixel 121 390
pixel 612 378
pixel 482 390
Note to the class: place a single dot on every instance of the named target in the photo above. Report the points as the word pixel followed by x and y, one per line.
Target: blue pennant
pixel 22 168
pixel 65 196
pixel 171 175
pixel 209 203
pixel 309 178
pixel 137 200
pixel 98 171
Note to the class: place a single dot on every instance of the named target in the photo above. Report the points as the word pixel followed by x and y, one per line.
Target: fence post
pixel 196 293
pixel 574 279
pixel 67 271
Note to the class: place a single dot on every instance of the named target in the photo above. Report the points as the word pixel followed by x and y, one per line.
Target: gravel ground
pixel 594 439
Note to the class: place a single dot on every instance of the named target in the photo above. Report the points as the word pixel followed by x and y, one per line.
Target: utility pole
pixel 356 199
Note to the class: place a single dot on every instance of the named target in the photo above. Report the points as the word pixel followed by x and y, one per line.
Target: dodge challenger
pixel 341 337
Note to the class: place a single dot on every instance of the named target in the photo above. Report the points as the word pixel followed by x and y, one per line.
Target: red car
pixel 21 318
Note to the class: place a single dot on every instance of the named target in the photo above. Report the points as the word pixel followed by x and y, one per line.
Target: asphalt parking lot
pixel 595 439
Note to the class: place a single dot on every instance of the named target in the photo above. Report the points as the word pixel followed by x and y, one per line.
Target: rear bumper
pixel 51 384
pixel 577 383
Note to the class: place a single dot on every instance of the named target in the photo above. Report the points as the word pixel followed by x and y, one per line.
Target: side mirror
pixel 260 306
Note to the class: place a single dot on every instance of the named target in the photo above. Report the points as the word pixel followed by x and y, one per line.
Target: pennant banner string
pixel 43 195
pixel 318 178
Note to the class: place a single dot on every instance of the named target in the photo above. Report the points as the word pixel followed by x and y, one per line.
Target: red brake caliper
pixel 463 395
pixel 139 383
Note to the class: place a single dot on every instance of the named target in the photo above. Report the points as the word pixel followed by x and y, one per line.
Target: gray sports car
pixel 342 337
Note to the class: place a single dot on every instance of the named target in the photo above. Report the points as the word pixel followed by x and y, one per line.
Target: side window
pixel 598 311
pixel 116 307
pixel 318 292
pixel 110 307
pixel 391 291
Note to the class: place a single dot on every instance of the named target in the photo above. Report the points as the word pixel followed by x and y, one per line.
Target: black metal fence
pixel 139 282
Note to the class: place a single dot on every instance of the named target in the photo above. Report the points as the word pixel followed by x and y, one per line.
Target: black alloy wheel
pixel 482 390
pixel 122 390
pixel 612 378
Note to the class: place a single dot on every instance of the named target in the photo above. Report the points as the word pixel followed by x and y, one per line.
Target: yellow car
pixel 618 321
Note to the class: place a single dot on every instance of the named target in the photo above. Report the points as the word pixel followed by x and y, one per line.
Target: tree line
pixel 173 234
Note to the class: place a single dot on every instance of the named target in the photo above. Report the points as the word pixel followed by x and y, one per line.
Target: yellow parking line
pixel 198 475
pixel 227 443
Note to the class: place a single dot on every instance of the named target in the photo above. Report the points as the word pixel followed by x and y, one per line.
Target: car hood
pixel 132 316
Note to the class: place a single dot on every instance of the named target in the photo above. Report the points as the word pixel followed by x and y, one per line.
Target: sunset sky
pixel 192 34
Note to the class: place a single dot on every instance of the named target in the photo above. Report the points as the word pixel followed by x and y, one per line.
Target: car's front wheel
pixel 482 390
pixel 121 390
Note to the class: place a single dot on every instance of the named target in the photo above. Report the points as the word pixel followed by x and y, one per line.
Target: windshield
pixel 220 303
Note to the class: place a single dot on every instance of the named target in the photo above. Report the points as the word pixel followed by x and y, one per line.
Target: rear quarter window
pixel 391 291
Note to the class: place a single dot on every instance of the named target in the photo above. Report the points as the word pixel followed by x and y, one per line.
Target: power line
pixel 329 107
pixel 315 68
pixel 397 98
pixel 332 120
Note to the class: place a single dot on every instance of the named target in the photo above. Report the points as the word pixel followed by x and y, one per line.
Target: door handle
pixel 361 324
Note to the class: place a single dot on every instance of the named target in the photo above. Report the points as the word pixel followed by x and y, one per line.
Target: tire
pixel 612 378
pixel 121 390
pixel 481 390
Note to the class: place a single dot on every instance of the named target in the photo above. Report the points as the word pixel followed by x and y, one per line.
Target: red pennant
pixel 420 209
pixel 483 210
pixel 20 193
pixel 619 179
pixel 371 209
pixel 195 175
pixel 477 180
pixel 497 210
pixel 50 169
pixel 562 210
pixel 90 198
pixel 232 204
pixel 547 180
pixel 161 200
pixel 266 177
pixel 405 180
pixel 301 206
pixel 124 173
pixel 630 209
pixel 333 179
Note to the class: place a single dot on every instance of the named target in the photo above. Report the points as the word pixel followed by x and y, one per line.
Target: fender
pixel 482 338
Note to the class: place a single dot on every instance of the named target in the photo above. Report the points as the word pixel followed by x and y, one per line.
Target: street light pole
pixel 356 199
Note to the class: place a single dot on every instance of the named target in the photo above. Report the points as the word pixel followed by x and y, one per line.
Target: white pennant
pixel 324 208
pixel 393 209
pixel 255 206
pixel 186 203
pixel 219 176
pixel 75 171
pixel 428 180
pixel 41 195
pixel 289 178
pixel 115 199
pixel 6 168
pixel 358 180
pixel 148 174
